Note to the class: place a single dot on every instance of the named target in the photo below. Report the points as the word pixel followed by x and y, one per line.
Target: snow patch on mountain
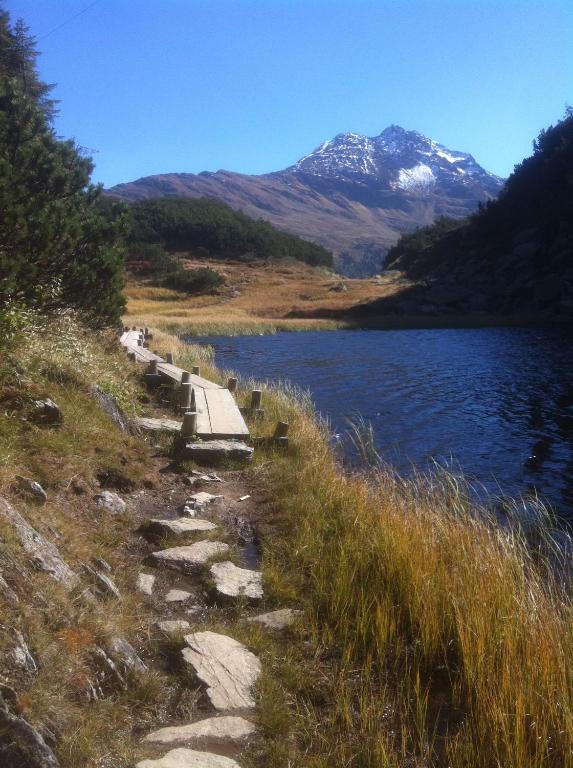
pixel 419 179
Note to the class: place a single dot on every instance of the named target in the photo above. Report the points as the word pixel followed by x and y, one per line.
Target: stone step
pixel 212 452
pixel 213 729
pixel 231 581
pixel 179 526
pixel 191 557
pixel 189 758
pixel 228 669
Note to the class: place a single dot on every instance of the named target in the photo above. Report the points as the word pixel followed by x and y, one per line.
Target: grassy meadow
pixel 257 298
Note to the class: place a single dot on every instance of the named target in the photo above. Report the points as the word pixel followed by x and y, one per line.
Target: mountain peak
pixel 396 159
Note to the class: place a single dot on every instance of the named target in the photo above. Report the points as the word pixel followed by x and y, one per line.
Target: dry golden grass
pixel 257 298
pixel 453 645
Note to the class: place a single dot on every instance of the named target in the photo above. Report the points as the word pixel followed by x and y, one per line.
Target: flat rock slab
pixel 276 620
pixel 214 451
pixel 173 626
pixel 189 558
pixel 214 729
pixel 158 425
pixel 202 498
pixel 189 758
pixel 181 525
pixel 228 669
pixel 177 596
pixel 231 581
pixel 43 554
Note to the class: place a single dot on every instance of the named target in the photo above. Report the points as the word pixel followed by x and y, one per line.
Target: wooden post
pixel 196 371
pixel 189 426
pixel 140 342
pixel 185 395
pixel 232 384
pixel 280 434
pixel 169 358
pixel 131 356
pixel 256 399
pixel 185 377
pixel 146 332
pixel 126 328
pixel 281 429
pixel 134 327
pixel 153 367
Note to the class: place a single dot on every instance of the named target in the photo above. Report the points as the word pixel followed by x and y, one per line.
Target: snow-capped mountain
pixel 397 158
pixel 354 194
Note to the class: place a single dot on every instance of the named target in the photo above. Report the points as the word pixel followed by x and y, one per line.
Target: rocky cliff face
pixel 353 194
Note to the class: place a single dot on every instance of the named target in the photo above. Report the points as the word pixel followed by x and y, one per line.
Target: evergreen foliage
pixel 516 252
pixel 211 227
pixel 58 246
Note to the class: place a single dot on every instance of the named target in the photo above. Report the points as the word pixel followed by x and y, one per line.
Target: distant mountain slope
pixel 515 257
pixel 354 194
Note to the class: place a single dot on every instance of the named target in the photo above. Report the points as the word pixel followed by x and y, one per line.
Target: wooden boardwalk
pixel 218 415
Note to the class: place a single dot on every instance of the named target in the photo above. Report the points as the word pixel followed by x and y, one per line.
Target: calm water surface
pixel 498 402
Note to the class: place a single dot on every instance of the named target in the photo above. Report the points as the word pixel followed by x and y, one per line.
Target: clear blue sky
pixel 151 86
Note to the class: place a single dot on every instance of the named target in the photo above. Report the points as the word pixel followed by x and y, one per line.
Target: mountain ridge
pixel 353 194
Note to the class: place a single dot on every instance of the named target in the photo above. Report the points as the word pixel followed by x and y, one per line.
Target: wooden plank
pixel 203 416
pixel 175 373
pixel 226 419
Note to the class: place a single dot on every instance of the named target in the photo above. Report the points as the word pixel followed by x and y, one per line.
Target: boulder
pixel 226 667
pixel 124 654
pixel 43 554
pixel 276 620
pixel 180 526
pixel 202 498
pixel 110 501
pixel 145 582
pixel 213 729
pixel 21 746
pixel 189 758
pixel 174 626
pixel 191 557
pixel 214 451
pixel 231 581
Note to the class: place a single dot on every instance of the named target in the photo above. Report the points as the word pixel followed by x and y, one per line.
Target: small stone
pixel 47 411
pixel 232 581
pixel 189 558
pixel 33 488
pixel 103 564
pixel 104 584
pixel 276 620
pixel 177 596
pixel 189 758
pixel 228 669
pixel 214 729
pixel 22 656
pixel 181 525
pixel 145 582
pixel 110 501
pixel 125 654
pixel 174 626
pixel 202 498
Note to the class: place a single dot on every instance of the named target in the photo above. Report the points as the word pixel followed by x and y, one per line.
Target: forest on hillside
pixel 208 227
pixel 516 253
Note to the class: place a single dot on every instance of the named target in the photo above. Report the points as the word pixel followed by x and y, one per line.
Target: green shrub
pixel 202 280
